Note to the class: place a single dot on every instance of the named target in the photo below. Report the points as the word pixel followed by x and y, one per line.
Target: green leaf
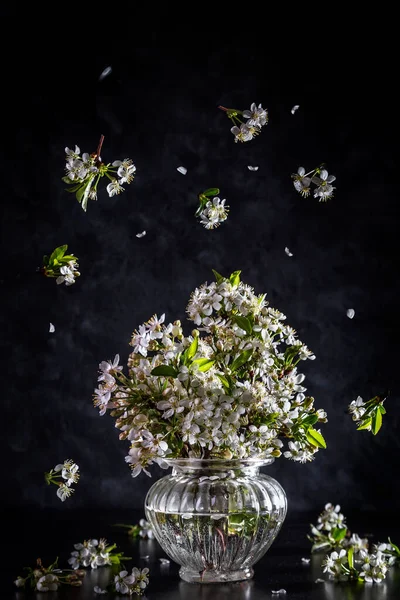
pixel 165 370
pixel 315 438
pixel 310 420
pixel 80 192
pixel 235 278
pixel 350 557
pixel 224 381
pixel 338 533
pixel 219 278
pixel 244 323
pixel 191 351
pixel 211 192
pixel 58 253
pixel 67 179
pixel 241 360
pixel 204 364
pixel 397 549
pixel 364 425
pixel 376 422
pixel 73 188
pixel 382 409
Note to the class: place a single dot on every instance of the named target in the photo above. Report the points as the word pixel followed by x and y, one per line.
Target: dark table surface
pixel 49 534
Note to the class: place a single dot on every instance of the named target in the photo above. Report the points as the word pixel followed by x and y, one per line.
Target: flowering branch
pixel 84 173
pixel 130 584
pixel 368 415
pixel 95 553
pixel 42 579
pixel 256 117
pixel 67 472
pixel 319 177
pixel 211 212
pixel 341 566
pixel 143 529
pixel 61 265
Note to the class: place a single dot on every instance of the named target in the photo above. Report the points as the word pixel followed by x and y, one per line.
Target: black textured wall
pixel 159 107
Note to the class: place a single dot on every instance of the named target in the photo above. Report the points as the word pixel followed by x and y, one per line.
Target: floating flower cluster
pixel 60 265
pixel 83 174
pixel 95 553
pixel 68 473
pixel 211 211
pixel 368 415
pixel 142 529
pixel 234 392
pixel 127 584
pixel 48 579
pixel 256 118
pixel 319 177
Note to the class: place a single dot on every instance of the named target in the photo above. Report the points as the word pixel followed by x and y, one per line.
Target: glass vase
pixel 216 518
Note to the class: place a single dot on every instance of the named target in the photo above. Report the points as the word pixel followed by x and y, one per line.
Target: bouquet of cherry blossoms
pixel 231 389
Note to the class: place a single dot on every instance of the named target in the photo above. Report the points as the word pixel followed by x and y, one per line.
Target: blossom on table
pixel 330 531
pixel 83 174
pixel 48 579
pixel 63 476
pixel 230 388
pixel 133 583
pixel 256 118
pixel 64 267
pixel 319 177
pixel 95 553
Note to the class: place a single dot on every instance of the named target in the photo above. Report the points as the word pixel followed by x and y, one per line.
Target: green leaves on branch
pixel 204 364
pixel 371 418
pixel 241 360
pixel 53 264
pixel 165 371
pixel 234 278
pixel 204 197
pixel 315 438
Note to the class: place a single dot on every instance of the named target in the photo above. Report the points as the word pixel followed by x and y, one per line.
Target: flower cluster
pixel 231 389
pixel 368 415
pixel 48 579
pixel 211 211
pixel 341 566
pixel 95 553
pixel 319 177
pixel 60 265
pixel 129 584
pixel 256 118
pixel 68 473
pixel 331 532
pixel 142 529
pixel 83 174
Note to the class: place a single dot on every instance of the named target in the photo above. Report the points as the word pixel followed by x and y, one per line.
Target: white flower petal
pixel 164 561
pixel 52 328
pixel 305 560
pixel 140 235
pixel 319 580
pixel 324 174
pixel 182 170
pixel 281 591
pixel 294 108
pixel 98 590
pixel 288 252
pixel 350 313
pixel 105 73
pixel 250 168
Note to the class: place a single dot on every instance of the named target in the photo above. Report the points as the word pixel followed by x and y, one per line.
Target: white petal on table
pixel 182 170
pixel 294 108
pixel 140 235
pixel 320 580
pixel 288 252
pixel 350 313
pixel 107 71
pixel 250 168
pixel 52 328
pixel 164 561
pixel 281 591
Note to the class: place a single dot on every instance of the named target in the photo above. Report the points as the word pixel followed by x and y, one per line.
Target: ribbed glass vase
pixel 216 518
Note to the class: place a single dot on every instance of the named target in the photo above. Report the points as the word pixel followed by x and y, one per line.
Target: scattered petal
pixel 288 252
pixel 305 560
pixel 281 591
pixel 320 580
pixel 350 313
pixel 250 168
pixel 140 235
pixel 52 328
pixel 105 73
pixel 182 170
pixel 145 557
pixel 294 108
pixel 98 590
pixel 164 561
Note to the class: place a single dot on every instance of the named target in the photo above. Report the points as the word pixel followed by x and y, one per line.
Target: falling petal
pixel 288 252
pixel 250 168
pixel 105 73
pixel 305 560
pixel 350 313
pixel 320 580
pixel 164 561
pixel 145 557
pixel 52 328
pixel 139 235
pixel 294 108
pixel 182 170
pixel 281 591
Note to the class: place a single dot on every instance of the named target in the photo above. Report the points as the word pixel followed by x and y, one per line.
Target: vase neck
pixel 217 468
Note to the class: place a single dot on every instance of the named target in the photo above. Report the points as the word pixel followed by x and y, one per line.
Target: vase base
pixel 211 576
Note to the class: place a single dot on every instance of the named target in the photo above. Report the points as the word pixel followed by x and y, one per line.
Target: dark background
pixel 159 107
